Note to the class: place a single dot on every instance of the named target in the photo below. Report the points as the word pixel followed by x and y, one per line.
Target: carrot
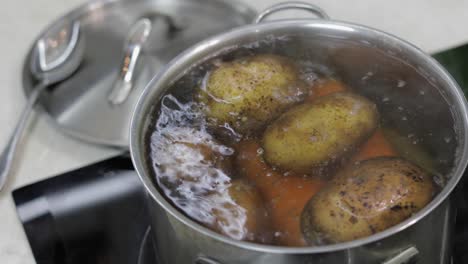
pixel 376 146
pixel 285 196
pixel 325 87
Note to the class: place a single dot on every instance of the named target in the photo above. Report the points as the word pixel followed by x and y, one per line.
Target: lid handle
pixel 291 5
pixel 136 37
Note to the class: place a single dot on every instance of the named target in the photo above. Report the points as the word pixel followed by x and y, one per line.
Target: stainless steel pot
pixel 416 94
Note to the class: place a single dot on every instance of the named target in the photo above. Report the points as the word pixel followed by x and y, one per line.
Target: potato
pixel 243 216
pixel 364 199
pixel 317 133
pixel 248 92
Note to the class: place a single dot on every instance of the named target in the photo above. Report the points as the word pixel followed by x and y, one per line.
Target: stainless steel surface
pixel 56 56
pixel 132 49
pixel 380 66
pixel 143 246
pixel 205 260
pixel 291 5
pixel 57 53
pixel 179 242
pixel 404 257
pixel 80 107
pixel 53 51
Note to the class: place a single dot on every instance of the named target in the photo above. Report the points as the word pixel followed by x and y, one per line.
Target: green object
pixel 456 62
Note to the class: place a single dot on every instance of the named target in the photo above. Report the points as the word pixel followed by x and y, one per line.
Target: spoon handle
pixel 7 156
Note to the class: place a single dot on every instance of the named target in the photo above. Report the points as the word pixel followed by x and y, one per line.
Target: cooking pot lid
pixel 80 105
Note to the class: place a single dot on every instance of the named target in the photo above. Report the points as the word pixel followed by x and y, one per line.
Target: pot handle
pixel 291 5
pixel 205 260
pixel 403 257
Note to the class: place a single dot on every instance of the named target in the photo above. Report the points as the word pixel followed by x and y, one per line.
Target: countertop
pixel 432 25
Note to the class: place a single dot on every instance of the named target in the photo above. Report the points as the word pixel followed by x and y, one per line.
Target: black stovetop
pixel 97 214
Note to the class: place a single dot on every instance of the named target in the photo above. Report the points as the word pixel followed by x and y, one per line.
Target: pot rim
pixel 158 81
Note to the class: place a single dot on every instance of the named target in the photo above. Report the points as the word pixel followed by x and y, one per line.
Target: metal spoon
pixel 56 56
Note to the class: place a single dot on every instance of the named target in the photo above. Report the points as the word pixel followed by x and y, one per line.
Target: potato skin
pixel 364 199
pixel 244 217
pixel 315 134
pixel 248 92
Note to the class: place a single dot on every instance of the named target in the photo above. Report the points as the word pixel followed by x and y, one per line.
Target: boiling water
pixel 193 164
